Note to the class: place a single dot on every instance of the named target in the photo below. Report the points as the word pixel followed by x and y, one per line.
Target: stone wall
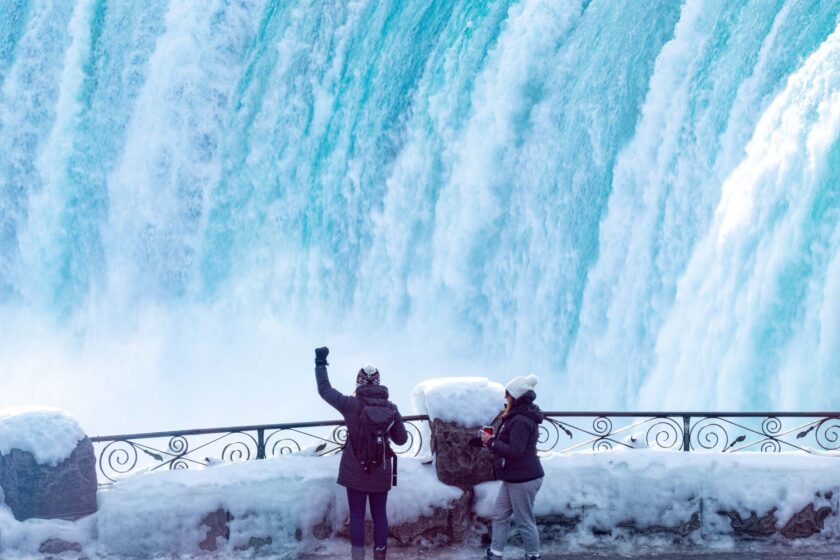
pixel 456 461
pixel 66 491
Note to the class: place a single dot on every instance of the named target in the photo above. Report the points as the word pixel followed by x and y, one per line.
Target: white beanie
pixel 521 385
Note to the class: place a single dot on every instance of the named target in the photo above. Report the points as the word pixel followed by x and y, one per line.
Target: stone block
pixel 753 526
pixel 805 523
pixel 58 546
pixel 254 543
pixel 456 462
pixel 682 530
pixel 66 491
pixel 217 523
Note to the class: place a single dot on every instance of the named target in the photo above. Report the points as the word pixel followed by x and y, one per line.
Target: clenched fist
pixel 321 356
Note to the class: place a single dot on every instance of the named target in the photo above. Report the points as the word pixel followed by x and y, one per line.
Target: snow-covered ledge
pixel 281 506
pixel 672 498
pixel 292 505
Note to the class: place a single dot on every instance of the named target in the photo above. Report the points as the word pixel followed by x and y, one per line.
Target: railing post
pixel 686 433
pixel 260 444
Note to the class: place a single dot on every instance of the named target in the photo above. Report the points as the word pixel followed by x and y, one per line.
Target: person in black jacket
pixel 363 482
pixel 518 467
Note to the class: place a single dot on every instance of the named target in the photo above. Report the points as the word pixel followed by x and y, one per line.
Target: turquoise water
pixel 636 200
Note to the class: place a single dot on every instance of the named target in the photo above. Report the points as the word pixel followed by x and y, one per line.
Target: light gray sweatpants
pixel 515 504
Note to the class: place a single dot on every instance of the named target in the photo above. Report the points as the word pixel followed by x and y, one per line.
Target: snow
pixel 22 539
pixel 160 512
pixel 664 488
pixel 49 434
pixel 286 498
pixel 466 401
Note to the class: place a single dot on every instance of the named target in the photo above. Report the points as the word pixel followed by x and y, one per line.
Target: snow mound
pixel 655 488
pixel 285 497
pixel 466 401
pixel 49 434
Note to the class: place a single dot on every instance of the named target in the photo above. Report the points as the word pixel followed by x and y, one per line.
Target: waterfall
pixel 637 201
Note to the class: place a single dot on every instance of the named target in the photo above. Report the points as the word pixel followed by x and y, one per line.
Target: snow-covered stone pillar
pixel 47 466
pixel 458 407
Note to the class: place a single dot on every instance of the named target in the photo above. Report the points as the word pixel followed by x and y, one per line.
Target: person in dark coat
pixel 517 465
pixel 362 484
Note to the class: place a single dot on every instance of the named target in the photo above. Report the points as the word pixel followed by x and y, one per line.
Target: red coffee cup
pixel 487 430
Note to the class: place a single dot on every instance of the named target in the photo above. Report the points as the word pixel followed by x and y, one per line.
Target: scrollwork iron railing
pixel 563 432
pixel 728 432
pixel 122 455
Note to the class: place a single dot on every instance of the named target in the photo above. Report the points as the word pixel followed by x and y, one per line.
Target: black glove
pixel 321 356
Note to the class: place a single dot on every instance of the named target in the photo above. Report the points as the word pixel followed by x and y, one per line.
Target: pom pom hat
pixel 521 385
pixel 368 375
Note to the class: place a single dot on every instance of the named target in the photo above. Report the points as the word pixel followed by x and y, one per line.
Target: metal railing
pixel 727 432
pixel 562 432
pixel 121 455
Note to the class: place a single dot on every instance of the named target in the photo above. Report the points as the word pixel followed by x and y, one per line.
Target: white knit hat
pixel 521 385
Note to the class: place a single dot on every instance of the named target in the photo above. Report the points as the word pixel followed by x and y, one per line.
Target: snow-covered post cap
pixel 465 401
pixel 47 465
pixel 47 433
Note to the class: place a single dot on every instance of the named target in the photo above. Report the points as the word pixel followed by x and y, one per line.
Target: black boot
pixel 379 553
pixel 489 555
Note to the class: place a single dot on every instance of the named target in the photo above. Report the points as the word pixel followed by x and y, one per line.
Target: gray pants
pixel 515 504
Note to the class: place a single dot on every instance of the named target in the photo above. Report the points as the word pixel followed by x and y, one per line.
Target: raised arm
pixel 330 394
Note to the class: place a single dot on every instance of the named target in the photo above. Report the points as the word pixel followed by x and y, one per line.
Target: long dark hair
pixel 508 404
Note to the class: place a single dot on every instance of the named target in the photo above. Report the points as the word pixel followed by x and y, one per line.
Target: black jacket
pixel 515 446
pixel 350 471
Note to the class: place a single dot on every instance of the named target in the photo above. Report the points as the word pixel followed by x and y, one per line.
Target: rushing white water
pixel 637 201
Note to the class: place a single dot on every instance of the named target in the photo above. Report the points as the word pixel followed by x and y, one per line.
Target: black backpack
pixel 371 446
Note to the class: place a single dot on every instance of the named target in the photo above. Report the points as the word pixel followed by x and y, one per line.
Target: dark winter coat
pixel 350 471
pixel 515 446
